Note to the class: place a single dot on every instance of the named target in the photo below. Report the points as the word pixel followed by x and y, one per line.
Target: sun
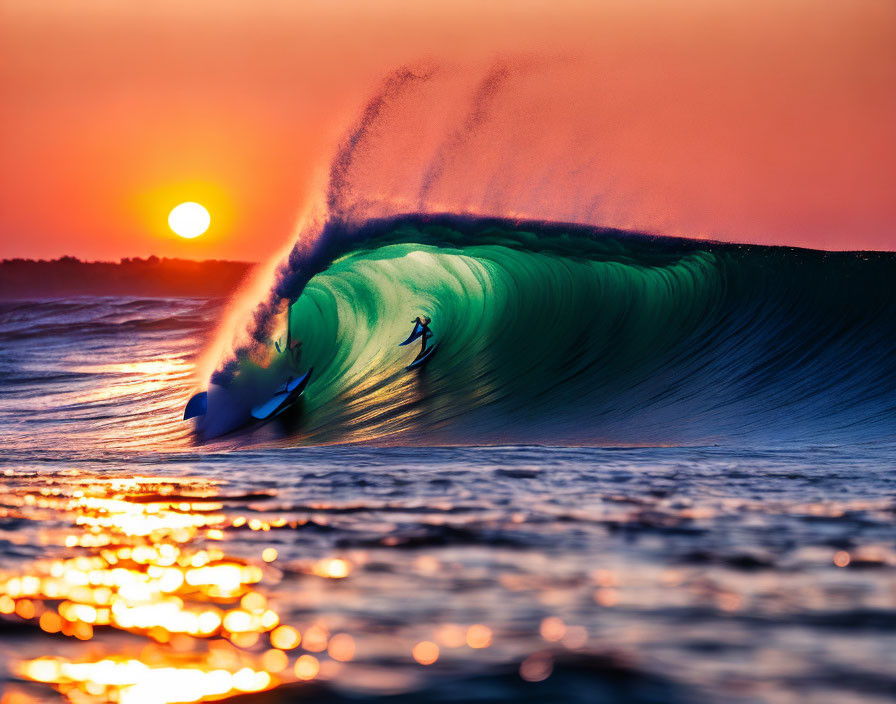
pixel 189 220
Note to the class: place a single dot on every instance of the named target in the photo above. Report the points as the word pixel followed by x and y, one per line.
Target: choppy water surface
pixel 136 566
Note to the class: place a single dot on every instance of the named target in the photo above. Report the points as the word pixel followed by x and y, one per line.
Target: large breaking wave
pixel 549 332
pixel 558 333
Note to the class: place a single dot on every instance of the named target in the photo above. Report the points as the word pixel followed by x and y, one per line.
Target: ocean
pixel 689 499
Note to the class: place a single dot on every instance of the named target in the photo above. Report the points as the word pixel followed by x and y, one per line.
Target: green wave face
pixel 548 336
pixel 519 325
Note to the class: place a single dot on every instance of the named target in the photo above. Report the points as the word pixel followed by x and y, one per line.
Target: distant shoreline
pixel 154 276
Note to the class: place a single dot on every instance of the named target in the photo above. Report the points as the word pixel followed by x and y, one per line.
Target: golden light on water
pixel 334 568
pixel 274 661
pixel 153 589
pixel 552 629
pixel 139 561
pixel 341 647
pixel 134 682
pixel 426 652
pixel 479 636
pixel 307 667
pixel 316 638
pixel 148 557
pixel 285 638
pixel 162 590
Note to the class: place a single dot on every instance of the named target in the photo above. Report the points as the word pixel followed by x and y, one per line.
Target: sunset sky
pixel 766 121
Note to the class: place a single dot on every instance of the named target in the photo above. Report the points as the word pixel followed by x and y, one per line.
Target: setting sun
pixel 189 220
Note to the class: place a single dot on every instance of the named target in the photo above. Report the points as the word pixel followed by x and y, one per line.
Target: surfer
pixel 425 332
pixel 421 330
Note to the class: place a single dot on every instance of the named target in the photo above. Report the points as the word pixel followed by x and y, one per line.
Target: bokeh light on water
pixel 183 588
pixel 138 579
pixel 141 556
pixel 134 565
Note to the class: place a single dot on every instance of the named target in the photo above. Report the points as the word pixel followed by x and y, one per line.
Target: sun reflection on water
pixel 151 590
pixel 163 590
pixel 141 560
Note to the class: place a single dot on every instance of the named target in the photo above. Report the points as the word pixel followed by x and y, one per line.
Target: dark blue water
pixel 136 564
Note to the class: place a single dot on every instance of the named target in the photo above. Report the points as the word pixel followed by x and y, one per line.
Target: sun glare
pixel 189 220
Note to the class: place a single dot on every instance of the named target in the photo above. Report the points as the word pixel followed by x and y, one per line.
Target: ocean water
pixel 141 562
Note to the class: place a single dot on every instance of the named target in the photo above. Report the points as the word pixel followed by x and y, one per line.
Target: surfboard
pixel 415 333
pixel 414 337
pixel 197 405
pixel 296 384
pixel 266 409
pixel 422 357
pixel 283 398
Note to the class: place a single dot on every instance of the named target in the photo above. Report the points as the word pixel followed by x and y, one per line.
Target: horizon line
pixel 152 258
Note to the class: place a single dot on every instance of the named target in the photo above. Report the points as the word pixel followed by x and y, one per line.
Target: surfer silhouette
pixel 425 332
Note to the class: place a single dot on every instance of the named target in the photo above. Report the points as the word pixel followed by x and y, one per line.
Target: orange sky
pixel 761 120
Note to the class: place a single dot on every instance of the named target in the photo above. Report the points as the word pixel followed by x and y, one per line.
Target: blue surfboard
pixel 422 357
pixel 415 333
pixel 196 406
pixel 296 384
pixel 284 397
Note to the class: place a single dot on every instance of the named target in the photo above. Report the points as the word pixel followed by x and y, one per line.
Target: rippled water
pixel 136 566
